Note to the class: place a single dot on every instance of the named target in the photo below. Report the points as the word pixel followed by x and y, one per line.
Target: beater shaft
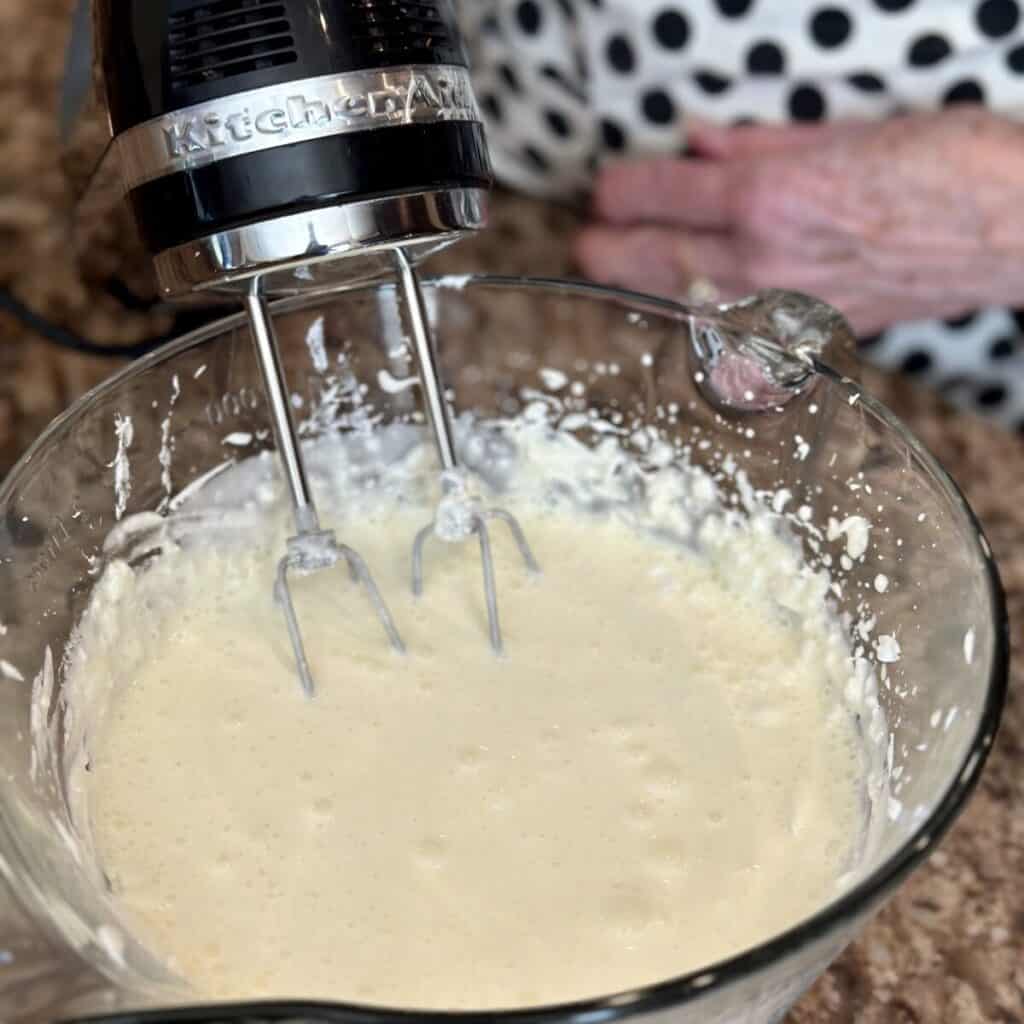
pixel 427 363
pixel 269 356
pixel 311 548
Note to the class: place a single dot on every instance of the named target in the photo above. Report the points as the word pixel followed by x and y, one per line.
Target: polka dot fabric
pixel 566 84
pixel 532 86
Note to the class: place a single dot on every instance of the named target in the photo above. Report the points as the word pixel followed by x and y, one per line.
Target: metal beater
pixel 267 146
pixel 460 514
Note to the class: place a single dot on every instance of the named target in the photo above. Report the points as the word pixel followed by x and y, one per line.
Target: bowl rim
pixel 856 901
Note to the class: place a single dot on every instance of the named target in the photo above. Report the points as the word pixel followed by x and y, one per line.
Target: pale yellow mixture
pixel 659 774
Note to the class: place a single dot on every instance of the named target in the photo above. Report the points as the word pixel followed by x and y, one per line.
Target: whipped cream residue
pixel 124 431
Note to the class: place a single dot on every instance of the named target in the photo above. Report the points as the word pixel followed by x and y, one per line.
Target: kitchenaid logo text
pixel 417 97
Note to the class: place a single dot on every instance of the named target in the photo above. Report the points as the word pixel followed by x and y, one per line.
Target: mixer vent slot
pixel 224 38
pixel 398 27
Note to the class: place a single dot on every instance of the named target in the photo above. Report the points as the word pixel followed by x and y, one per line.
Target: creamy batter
pixel 661 772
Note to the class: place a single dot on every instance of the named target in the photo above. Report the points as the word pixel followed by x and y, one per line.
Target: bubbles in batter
pixel 660 772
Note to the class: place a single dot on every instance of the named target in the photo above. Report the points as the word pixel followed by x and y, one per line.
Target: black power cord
pixel 185 320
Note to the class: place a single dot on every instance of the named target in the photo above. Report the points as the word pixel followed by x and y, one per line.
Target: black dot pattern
pixel 509 78
pixel 998 18
pixel 968 90
pixel 671 29
pixel 928 50
pixel 831 27
pixel 917 362
pixel 491 106
pixel 528 14
pixel 766 58
pixel 566 85
pixel 806 103
pixel 535 158
pixel 712 83
pixel 613 136
pixel 658 107
pixel 564 82
pixel 992 395
pixel 558 123
pixel 620 54
pixel 866 82
pixel 1002 348
pixel 734 8
pixel 960 322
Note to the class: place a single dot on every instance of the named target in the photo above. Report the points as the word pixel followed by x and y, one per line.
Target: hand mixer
pixel 270 146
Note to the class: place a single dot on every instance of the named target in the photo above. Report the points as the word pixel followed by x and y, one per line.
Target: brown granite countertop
pixel 949 948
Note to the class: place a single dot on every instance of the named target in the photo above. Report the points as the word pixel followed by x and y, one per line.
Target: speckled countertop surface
pixel 949 948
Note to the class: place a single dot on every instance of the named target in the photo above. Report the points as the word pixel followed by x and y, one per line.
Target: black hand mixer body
pixel 269 137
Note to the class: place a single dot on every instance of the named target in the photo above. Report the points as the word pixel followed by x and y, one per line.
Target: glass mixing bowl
pixel 765 386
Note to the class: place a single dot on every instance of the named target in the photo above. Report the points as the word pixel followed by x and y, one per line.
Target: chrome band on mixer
pixel 424 221
pixel 281 115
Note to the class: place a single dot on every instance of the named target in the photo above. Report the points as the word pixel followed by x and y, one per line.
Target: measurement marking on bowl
pixel 57 537
pixel 231 404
